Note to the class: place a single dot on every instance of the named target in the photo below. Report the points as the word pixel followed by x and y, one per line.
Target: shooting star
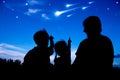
pixel 70 5
pixel 58 13
pixel 84 7
pixel 69 15
pixel 91 2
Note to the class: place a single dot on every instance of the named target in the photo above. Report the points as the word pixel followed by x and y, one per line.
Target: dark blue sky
pixel 20 19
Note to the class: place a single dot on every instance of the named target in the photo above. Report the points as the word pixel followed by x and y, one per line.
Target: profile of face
pixel 92 25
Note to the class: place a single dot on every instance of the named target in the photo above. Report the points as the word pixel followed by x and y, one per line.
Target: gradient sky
pixel 20 19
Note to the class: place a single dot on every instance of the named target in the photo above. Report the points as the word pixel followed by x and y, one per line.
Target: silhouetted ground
pixel 12 69
pixel 116 73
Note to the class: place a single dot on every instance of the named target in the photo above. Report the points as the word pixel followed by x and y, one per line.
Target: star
pixel 69 15
pixel 26 4
pixel 117 2
pixel 91 2
pixel 16 17
pixel 84 7
pixel 108 9
pixel 68 5
pixel 58 13
pixel 4 1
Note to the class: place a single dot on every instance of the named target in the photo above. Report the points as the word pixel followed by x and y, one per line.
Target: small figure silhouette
pixel 37 60
pixel 94 56
pixel 63 62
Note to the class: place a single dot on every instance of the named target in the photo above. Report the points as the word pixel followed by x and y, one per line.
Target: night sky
pixel 20 19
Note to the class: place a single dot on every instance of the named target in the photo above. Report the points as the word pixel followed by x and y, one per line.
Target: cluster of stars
pixel 58 13
pixel 32 11
pixel 69 8
pixel 116 3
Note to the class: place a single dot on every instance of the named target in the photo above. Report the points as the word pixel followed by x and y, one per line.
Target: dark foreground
pixel 10 69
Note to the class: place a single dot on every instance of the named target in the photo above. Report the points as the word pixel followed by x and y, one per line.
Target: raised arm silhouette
pixel 37 60
pixel 63 62
pixel 94 56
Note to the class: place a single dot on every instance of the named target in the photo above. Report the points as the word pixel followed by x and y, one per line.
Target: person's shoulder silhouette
pixel 38 58
pixel 41 38
pixel 95 53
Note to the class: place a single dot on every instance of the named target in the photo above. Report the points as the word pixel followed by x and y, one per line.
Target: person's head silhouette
pixel 92 25
pixel 41 38
pixel 61 48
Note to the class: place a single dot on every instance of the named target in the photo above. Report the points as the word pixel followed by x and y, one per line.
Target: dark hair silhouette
pixel 92 24
pixel 63 62
pixel 61 47
pixel 95 54
pixel 37 60
pixel 41 38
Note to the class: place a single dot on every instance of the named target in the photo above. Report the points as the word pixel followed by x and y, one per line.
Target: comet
pixel 69 5
pixel 58 13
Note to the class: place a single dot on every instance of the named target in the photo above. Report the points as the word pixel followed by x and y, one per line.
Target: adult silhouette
pixel 94 56
pixel 63 62
pixel 37 60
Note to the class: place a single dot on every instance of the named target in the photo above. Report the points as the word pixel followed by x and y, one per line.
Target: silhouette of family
pixel 94 55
